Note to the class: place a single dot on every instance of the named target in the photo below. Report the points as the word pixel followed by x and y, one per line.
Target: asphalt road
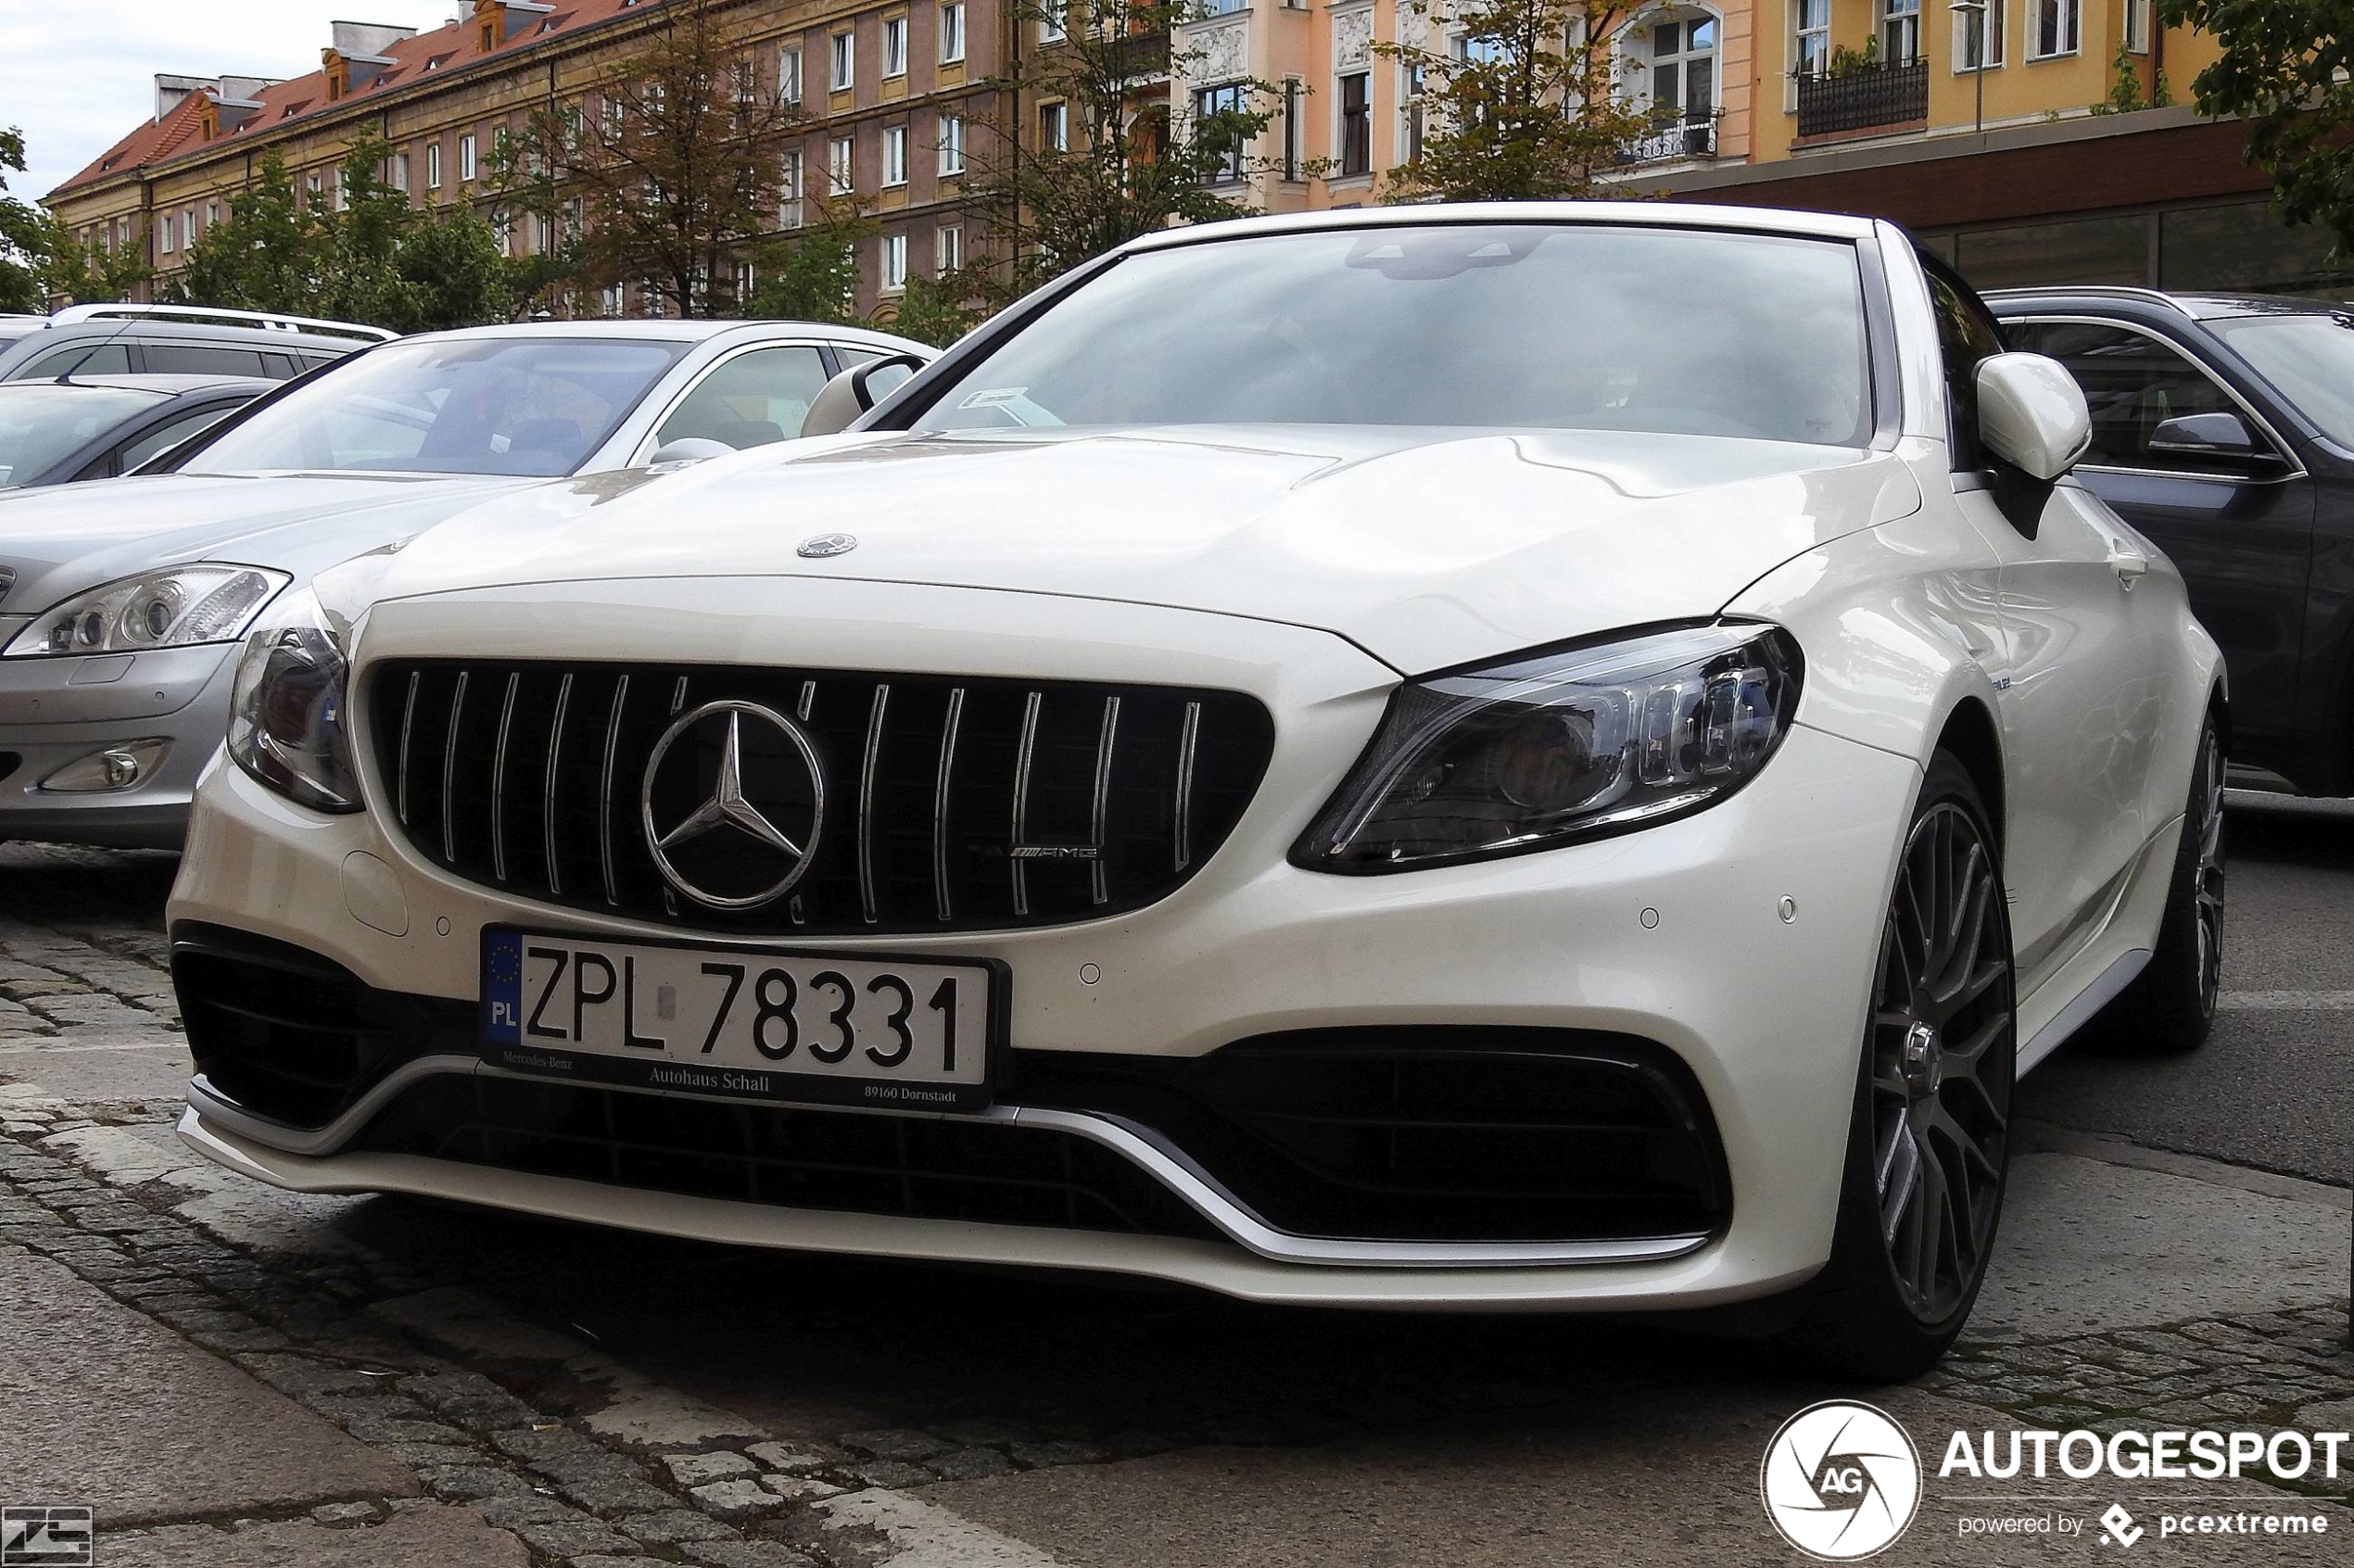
pixel 2273 1087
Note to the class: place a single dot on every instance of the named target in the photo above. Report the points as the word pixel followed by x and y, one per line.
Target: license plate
pixel 818 1027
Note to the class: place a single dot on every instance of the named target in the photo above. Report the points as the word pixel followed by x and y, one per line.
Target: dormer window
pixel 338 78
pixel 486 32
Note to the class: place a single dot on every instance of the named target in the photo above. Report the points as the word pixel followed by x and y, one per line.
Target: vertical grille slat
pixel 605 797
pixel 499 777
pixel 942 901
pixel 1023 760
pixel 449 773
pixel 981 802
pixel 867 803
pixel 548 817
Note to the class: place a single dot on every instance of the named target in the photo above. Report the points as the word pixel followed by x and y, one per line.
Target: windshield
pixel 1573 326
pixel 42 424
pixel 532 406
pixel 2309 357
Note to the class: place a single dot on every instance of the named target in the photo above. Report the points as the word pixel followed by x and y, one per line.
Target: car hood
pixel 1426 547
pixel 68 538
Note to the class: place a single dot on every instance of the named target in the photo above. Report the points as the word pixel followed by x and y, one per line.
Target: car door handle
pixel 2127 564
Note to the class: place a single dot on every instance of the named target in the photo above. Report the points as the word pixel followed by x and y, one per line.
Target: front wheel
pixel 1929 1137
pixel 2170 1005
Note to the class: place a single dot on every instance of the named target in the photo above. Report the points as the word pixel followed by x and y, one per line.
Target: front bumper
pixel 56 711
pixel 1739 941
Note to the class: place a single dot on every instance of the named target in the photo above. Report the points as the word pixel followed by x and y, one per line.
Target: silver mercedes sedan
pixel 122 601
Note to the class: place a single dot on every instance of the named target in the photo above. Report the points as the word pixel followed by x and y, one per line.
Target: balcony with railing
pixel 1675 137
pixel 1860 100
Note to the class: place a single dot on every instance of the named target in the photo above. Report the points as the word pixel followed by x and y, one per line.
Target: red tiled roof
pixel 444 50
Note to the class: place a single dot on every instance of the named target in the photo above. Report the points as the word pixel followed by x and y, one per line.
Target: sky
pixel 76 76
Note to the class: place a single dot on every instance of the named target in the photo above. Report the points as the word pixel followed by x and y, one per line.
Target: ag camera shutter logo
pixel 1840 1481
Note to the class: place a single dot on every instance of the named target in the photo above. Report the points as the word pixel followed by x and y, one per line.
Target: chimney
pixel 356 40
pixel 172 91
pixel 235 99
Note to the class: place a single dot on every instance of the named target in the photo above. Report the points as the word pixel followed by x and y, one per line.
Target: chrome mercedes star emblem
pixel 821 547
pixel 728 806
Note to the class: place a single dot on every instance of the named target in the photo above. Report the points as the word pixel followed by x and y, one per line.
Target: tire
pixel 1931 1104
pixel 2170 1005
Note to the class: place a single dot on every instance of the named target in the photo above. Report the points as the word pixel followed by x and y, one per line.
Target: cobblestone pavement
pixel 609 1399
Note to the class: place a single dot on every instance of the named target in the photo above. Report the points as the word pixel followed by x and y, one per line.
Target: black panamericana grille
pixel 951 803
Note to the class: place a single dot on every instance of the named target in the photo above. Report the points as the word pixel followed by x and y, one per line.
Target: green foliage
pixel 929 313
pixel 2125 94
pixel 1530 106
pixel 378 261
pixel 40 258
pixel 2284 70
pixel 1128 169
pixel 813 274
pixel 1855 62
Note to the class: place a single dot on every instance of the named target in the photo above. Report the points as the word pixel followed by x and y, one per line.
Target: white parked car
pixel 1539 756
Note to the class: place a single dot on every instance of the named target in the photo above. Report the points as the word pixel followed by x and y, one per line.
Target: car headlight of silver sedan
pixel 170 608
pixel 1560 745
pixel 286 719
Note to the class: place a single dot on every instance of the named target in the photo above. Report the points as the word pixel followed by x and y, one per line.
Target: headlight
pixel 1566 744
pixel 166 609
pixel 286 713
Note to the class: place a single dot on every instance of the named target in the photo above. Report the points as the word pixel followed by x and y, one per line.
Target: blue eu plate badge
pixel 503 987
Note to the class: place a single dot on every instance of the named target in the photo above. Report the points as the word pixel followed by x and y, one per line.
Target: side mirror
pixel 2032 414
pixel 2222 436
pixel 849 396
pixel 688 449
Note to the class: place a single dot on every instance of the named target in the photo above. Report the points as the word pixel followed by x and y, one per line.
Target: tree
pixel 929 313
pixel 1528 106
pixel 40 258
pixel 813 274
pixel 2284 69
pixel 370 256
pixel 1126 167
pixel 677 173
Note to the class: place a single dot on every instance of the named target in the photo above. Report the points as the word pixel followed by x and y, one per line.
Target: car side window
pixel 2132 383
pixel 204 359
pixel 1967 336
pixel 106 358
pixel 754 399
pixel 164 437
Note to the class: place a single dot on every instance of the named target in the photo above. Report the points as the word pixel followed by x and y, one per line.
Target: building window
pixel 1054 127
pixel 789 191
pixel 543 234
pixel 1355 123
pixel 789 75
pixel 1409 111
pixel 894 40
pixel 211 214
pixel 844 62
pixel 433 166
pixel 1683 78
pixel 949 247
pixel 952 32
pixel 400 173
pixel 2059 27
pixel 1988 15
pixel 318 185
pixel 466 157
pixel 2137 26
pixel 838 165
pixel 164 241
pixel 1224 7
pixel 894 170
pixel 1233 98
pixel 1051 23
pixel 894 261
pixel 1900 31
pixel 502 225
pixel 952 143
pixel 747 281
pixel 1811 50
pixel 617 299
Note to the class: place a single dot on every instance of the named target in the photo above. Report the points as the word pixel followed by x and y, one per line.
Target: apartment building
pixel 887 89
